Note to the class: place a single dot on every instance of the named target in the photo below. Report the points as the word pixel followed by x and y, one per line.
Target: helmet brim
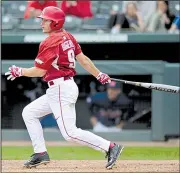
pixel 44 17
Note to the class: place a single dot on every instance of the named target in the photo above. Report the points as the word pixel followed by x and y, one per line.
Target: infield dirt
pixel 149 166
pixel 94 166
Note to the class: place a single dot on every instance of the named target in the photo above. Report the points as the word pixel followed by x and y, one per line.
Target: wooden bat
pixel 154 86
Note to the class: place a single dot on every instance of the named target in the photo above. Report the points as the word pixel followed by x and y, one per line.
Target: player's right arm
pixel 33 72
pixel 43 62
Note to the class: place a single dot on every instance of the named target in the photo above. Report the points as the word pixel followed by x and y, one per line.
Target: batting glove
pixel 103 78
pixel 14 72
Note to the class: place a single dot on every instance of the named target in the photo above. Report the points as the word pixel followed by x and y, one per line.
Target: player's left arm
pixel 84 61
pixel 88 65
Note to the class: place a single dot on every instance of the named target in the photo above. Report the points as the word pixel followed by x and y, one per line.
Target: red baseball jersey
pixel 38 5
pixel 82 9
pixel 57 55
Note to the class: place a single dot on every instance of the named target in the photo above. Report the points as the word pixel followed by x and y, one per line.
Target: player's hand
pixel 103 78
pixel 13 72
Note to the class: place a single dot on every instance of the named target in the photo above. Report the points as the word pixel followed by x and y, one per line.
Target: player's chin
pixel 45 31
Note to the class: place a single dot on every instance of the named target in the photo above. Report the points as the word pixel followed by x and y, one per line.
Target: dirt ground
pixel 95 165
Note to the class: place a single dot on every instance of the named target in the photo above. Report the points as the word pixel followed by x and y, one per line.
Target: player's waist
pixel 58 81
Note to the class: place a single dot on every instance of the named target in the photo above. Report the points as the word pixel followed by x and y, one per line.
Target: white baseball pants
pixel 60 100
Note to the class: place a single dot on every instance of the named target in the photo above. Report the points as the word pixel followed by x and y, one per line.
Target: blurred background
pixel 131 40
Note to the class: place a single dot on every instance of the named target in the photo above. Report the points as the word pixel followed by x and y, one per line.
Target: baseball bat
pixel 154 86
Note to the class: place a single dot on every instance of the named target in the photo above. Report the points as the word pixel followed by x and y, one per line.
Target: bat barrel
pixel 154 86
pixel 166 88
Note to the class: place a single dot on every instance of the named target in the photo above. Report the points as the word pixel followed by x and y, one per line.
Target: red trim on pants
pixel 65 127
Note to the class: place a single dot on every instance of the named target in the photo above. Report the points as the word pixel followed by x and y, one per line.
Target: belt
pixel 58 81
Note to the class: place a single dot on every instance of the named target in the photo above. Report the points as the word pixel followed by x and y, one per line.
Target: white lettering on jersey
pixel 39 61
pixel 67 44
pixel 54 63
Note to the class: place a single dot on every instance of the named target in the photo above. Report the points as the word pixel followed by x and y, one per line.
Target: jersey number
pixel 71 59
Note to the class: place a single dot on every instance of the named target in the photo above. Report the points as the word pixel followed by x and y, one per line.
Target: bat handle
pixel 114 79
pixel 119 80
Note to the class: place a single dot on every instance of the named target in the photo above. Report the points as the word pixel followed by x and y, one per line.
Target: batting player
pixel 55 62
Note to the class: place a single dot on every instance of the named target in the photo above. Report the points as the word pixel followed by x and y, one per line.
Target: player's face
pixel 45 24
pixel 113 93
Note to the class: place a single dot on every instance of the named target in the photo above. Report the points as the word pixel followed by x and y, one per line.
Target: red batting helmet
pixel 56 15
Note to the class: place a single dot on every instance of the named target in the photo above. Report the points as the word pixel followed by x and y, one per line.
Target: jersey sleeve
pixel 33 4
pixel 46 56
pixel 77 46
pixel 30 4
pixel 52 3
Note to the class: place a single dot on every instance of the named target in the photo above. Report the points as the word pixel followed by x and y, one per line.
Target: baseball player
pixel 110 110
pixel 55 62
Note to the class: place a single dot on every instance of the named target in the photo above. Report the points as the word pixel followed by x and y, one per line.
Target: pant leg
pixel 62 99
pixel 31 115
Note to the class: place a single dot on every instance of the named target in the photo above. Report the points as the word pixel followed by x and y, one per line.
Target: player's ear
pixel 55 25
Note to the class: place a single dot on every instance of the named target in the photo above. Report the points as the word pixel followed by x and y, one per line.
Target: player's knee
pixel 70 135
pixel 73 134
pixel 67 137
pixel 25 112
